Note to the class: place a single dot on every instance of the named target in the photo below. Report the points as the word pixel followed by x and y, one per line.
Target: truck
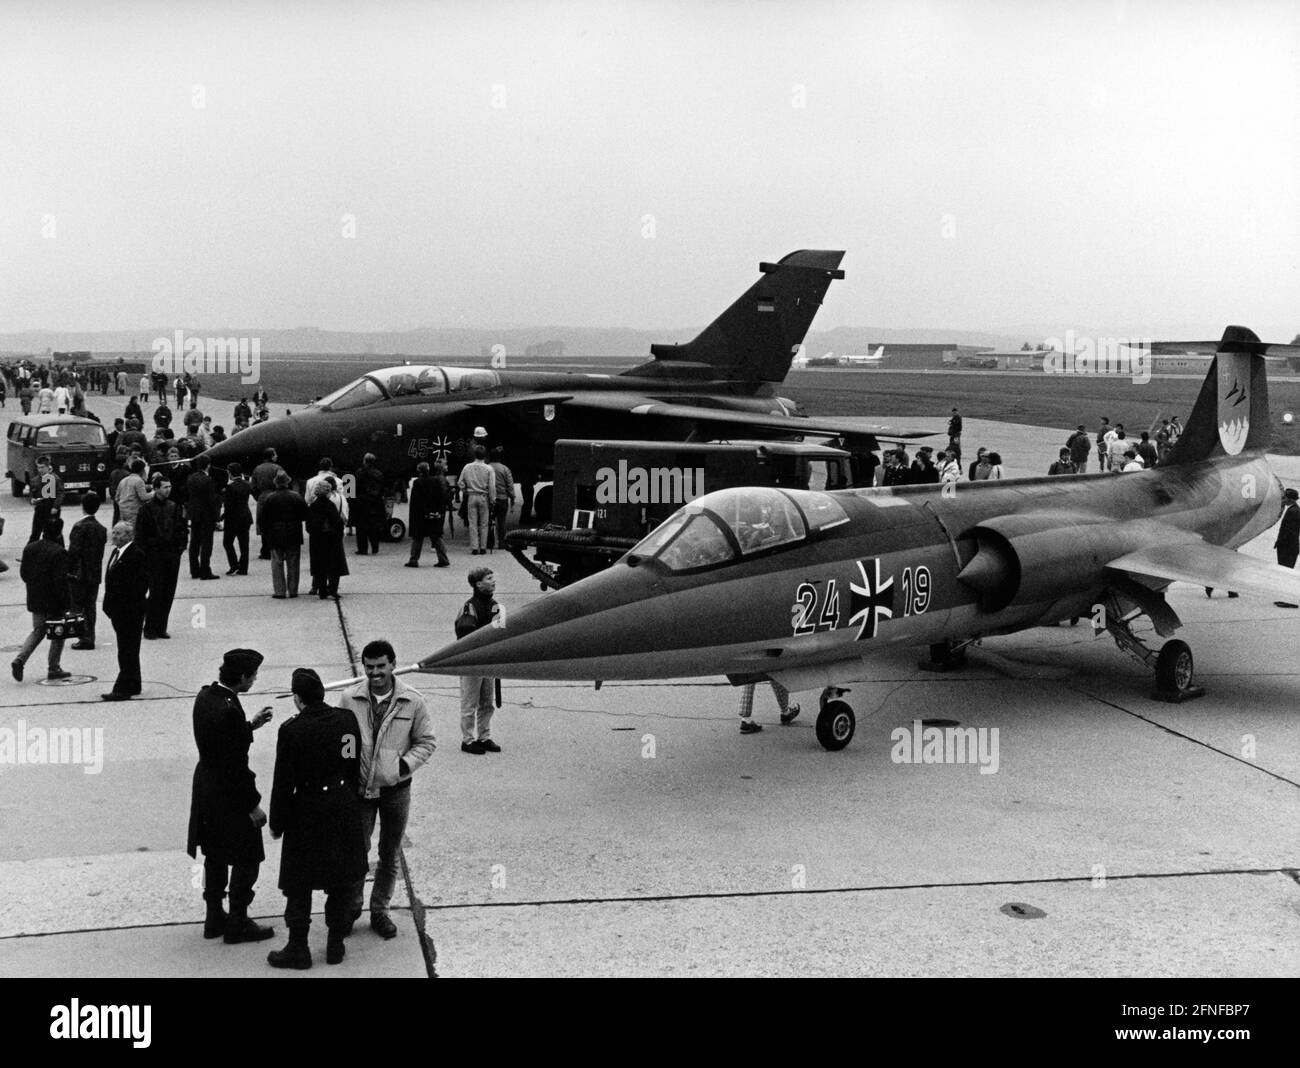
pixel 608 495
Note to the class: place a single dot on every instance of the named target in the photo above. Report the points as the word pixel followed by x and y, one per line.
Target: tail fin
pixel 756 338
pixel 1231 412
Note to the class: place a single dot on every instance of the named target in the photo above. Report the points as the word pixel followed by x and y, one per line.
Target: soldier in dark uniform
pixel 368 508
pixel 314 805
pixel 1288 536
pixel 226 817
pixel 161 530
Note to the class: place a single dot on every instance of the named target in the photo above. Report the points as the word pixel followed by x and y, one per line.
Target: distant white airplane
pixel 875 357
pixel 801 361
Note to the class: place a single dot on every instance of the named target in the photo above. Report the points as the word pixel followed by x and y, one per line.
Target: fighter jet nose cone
pixel 247 446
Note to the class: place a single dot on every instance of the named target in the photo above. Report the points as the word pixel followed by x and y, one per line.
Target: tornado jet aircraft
pixel 802 587
pixel 721 384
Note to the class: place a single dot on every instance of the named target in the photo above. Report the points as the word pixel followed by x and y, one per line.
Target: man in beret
pixel 226 816
pixel 314 806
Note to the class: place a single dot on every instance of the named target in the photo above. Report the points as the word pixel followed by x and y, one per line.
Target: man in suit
pixel 314 806
pixel 226 816
pixel 45 571
pixel 1288 534
pixel 160 530
pixel 281 517
pixel 85 565
pixel 204 508
pixel 238 519
pixel 430 502
pixel 125 588
pixel 263 483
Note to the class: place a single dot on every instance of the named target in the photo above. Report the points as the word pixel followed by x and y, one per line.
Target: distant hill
pixel 444 342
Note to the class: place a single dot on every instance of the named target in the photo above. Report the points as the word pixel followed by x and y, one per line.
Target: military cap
pixel 307 685
pixel 244 661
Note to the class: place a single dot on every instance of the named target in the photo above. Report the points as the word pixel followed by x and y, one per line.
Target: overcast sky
pixel 628 164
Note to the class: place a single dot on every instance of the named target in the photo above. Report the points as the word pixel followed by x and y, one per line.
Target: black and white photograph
pixel 849 451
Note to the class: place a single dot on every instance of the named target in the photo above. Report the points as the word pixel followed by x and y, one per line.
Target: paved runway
pixel 634 831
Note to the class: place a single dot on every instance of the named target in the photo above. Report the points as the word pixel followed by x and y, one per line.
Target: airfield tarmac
pixel 634 831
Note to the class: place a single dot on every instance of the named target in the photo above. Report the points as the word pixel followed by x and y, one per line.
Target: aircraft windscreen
pixel 412 381
pixel 460 379
pixel 760 517
pixel 686 540
pixel 822 510
pixel 354 395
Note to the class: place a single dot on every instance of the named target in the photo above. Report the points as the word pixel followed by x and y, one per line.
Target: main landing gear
pixel 835 721
pixel 1172 664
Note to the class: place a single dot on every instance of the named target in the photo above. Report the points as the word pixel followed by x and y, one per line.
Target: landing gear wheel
pixel 396 530
pixel 1174 668
pixel 835 725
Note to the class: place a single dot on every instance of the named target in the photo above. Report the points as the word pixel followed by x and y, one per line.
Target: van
pixel 77 447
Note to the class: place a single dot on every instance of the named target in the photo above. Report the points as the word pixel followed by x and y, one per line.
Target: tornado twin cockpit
pixel 731 524
pixel 393 383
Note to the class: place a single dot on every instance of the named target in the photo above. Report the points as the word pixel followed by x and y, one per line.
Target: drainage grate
pixel 1018 910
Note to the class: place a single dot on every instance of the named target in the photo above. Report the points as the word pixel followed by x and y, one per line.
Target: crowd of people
pixel 1116 451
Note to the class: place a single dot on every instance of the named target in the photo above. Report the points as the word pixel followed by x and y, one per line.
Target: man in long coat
pixel 430 503
pixel 329 559
pixel 203 506
pixel 314 806
pixel 162 533
pixel 238 520
pixel 226 816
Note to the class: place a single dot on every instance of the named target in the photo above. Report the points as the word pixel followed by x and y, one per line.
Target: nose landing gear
pixel 835 721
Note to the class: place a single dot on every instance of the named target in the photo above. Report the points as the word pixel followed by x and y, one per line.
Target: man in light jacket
pixel 396 739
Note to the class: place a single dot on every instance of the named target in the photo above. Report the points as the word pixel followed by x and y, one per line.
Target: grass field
pixel 1035 399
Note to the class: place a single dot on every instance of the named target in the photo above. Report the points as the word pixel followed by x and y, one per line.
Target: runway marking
pixel 1289 872
pixel 1185 737
pixel 823 892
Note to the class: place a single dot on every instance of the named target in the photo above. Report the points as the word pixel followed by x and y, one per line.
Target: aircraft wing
pixel 717 421
pixel 1203 564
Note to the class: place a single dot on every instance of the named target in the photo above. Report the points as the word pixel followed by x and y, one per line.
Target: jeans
pixel 476 707
pixel 479 512
pixel 392 807
pixel 37 636
pixel 284 564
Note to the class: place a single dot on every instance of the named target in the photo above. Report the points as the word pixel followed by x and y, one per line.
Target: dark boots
pixel 334 948
pixel 296 954
pixel 215 924
pixel 239 928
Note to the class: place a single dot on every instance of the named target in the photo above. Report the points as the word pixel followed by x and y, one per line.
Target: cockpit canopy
pixel 733 523
pixel 408 381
